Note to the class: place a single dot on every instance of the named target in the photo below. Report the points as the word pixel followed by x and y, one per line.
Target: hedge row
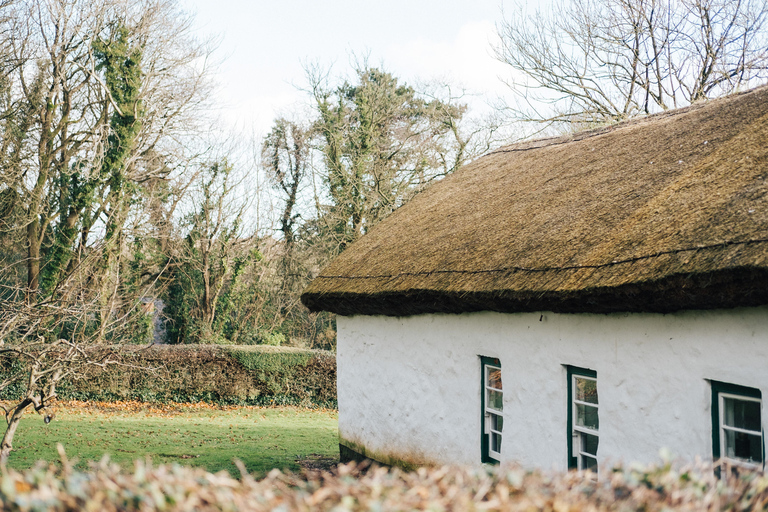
pixel 225 374
pixel 107 488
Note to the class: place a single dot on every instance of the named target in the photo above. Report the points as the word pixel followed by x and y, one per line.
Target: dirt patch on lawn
pixel 317 462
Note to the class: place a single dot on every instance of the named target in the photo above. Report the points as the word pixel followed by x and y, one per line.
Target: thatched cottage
pixel 567 302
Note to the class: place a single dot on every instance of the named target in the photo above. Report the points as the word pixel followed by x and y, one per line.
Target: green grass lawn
pixel 263 439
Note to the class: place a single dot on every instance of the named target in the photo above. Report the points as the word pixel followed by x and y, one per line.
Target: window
pixel 737 432
pixel 583 420
pixel 492 405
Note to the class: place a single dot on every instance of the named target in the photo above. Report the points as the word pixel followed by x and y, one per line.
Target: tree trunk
pixel 207 313
pixel 33 258
pixel 7 444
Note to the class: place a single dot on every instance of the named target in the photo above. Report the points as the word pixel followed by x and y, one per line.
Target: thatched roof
pixel 665 213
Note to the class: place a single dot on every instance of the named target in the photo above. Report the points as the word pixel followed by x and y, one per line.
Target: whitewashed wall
pixel 409 388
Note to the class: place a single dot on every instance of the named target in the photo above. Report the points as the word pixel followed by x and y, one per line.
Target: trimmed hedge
pixel 224 374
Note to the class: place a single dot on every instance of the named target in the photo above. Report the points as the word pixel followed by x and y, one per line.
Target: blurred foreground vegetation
pixel 349 487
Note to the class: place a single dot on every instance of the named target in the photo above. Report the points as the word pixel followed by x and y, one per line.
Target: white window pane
pixel 586 416
pixel 495 400
pixel 743 414
pixel 494 378
pixel 586 390
pixel 747 447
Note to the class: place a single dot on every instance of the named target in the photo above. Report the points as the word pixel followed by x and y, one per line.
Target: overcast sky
pixel 264 44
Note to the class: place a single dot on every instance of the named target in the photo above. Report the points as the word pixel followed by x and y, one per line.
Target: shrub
pixel 273 338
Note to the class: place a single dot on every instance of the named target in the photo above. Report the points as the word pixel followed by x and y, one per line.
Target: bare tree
pixel 286 156
pixel 99 102
pixel 463 138
pixel 213 254
pixel 43 343
pixel 597 61
pixel 103 93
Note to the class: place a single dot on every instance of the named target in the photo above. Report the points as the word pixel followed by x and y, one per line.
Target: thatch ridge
pixel 585 134
pixel 608 220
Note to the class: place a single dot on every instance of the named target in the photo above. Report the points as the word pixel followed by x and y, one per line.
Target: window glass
pixel 496 442
pixel 741 413
pixel 495 400
pixel 589 464
pixel 746 447
pixel 586 390
pixel 494 378
pixel 586 416
pixel 589 444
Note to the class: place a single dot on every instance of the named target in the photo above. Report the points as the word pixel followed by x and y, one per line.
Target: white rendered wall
pixel 409 387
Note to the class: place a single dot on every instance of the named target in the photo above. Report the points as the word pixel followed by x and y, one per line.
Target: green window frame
pixel 583 419
pixel 491 408
pixel 737 430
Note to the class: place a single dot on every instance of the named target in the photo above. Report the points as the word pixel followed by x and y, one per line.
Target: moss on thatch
pixel 665 213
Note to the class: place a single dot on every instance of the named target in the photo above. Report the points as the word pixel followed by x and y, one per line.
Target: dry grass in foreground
pixel 106 487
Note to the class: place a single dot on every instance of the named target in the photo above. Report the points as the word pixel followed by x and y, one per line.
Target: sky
pixel 264 46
